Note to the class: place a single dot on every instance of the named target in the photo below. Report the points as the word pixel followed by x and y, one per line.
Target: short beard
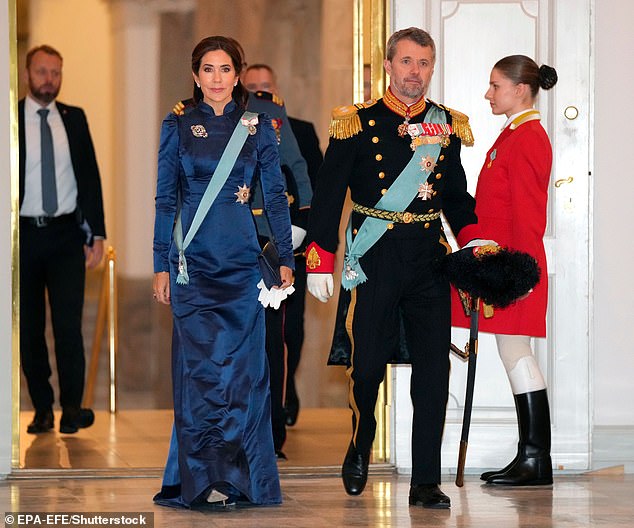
pixel 413 93
pixel 42 96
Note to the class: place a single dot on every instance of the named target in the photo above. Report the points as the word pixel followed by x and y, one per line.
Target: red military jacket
pixel 511 199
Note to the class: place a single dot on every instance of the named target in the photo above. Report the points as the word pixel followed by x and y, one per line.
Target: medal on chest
pixel 492 156
pixel 402 128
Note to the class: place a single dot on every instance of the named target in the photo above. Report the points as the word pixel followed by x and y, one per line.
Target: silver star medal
pixel 427 164
pixel 243 194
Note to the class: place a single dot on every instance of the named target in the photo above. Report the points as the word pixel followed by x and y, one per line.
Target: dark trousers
pixel 294 325
pixel 403 283
pixel 52 259
pixel 277 366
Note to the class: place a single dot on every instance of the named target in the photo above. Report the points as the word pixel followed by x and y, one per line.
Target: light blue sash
pixel 397 198
pixel 218 179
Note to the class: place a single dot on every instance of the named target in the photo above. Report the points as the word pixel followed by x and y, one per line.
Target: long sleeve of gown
pixel 275 201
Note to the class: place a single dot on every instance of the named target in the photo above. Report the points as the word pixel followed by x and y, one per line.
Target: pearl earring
pixel 198 84
pixel 235 83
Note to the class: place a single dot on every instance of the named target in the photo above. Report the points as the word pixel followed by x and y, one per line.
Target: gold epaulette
pixel 345 121
pixel 460 125
pixel 179 108
pixel 278 100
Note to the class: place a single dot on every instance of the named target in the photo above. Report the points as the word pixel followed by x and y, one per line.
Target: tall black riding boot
pixel 488 474
pixel 532 465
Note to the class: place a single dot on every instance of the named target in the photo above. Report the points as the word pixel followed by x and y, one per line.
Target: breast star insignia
pixel 427 164
pixel 243 194
pixel 425 191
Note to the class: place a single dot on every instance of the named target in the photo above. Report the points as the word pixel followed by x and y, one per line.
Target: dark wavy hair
pixel 416 35
pixel 232 48
pixel 524 70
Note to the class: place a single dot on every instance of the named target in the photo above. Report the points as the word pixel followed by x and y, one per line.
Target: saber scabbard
pixel 468 401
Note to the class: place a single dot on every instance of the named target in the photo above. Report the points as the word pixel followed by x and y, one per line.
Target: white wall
pixel 613 339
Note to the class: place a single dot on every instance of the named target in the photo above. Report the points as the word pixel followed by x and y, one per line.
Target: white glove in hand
pixel 297 235
pixel 320 285
pixel 480 242
pixel 273 297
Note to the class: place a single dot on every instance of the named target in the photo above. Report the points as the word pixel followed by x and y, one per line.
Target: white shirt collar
pixel 31 106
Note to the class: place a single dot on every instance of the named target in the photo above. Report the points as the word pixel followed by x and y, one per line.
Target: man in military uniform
pixel 299 192
pixel 400 159
pixel 260 78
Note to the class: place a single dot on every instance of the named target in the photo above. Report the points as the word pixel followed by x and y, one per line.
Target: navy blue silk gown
pixel 222 418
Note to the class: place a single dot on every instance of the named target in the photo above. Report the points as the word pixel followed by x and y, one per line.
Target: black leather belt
pixel 45 221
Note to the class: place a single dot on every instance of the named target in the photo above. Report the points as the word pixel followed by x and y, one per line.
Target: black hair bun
pixel 497 275
pixel 547 77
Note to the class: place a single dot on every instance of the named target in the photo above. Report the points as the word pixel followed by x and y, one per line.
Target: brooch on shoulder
pixel 250 124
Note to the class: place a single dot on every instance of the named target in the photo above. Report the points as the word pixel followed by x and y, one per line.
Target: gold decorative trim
pixel 461 127
pixel 345 122
pixel 401 217
pixel 15 239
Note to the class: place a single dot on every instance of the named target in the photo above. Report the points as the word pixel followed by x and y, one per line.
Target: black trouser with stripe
pixel 294 324
pixel 52 260
pixel 276 354
pixel 403 282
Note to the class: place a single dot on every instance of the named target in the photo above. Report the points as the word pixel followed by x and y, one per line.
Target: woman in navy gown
pixel 222 448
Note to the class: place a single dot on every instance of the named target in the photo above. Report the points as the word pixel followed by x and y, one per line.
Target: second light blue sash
pixel 218 179
pixel 397 198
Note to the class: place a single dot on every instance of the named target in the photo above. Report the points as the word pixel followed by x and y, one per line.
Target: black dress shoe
pixel 74 418
pixel 428 496
pixel 291 409
pixel 280 455
pixel 43 421
pixel 354 471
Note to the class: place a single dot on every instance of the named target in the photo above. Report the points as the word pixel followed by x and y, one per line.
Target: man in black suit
pixel 261 78
pixel 61 234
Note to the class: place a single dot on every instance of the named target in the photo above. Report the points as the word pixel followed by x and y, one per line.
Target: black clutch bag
pixel 269 261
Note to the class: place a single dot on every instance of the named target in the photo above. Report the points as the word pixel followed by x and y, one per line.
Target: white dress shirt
pixel 64 174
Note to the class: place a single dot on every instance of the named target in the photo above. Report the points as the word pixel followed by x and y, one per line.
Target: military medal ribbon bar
pixel 429 129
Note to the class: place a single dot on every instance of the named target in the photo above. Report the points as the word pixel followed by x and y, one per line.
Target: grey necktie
pixel 49 189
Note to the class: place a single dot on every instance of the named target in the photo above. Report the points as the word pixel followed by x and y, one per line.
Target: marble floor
pixel 572 502
pixel 138 440
pixel 115 466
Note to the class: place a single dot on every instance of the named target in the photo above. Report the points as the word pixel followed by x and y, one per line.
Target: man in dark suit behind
pixel 61 234
pixel 261 77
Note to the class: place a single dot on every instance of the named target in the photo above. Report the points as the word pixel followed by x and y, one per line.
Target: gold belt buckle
pixel 407 217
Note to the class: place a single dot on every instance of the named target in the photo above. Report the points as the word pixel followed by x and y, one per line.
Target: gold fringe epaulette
pixel 278 100
pixel 460 125
pixel 181 106
pixel 345 121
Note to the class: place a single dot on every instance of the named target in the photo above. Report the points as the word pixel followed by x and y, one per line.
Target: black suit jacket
pixel 308 145
pixel 82 153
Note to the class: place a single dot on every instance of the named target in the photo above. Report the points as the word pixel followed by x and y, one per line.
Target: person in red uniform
pixel 400 159
pixel 511 198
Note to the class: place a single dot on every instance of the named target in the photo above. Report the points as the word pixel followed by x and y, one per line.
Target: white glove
pixel 320 285
pixel 480 242
pixel 273 297
pixel 297 235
